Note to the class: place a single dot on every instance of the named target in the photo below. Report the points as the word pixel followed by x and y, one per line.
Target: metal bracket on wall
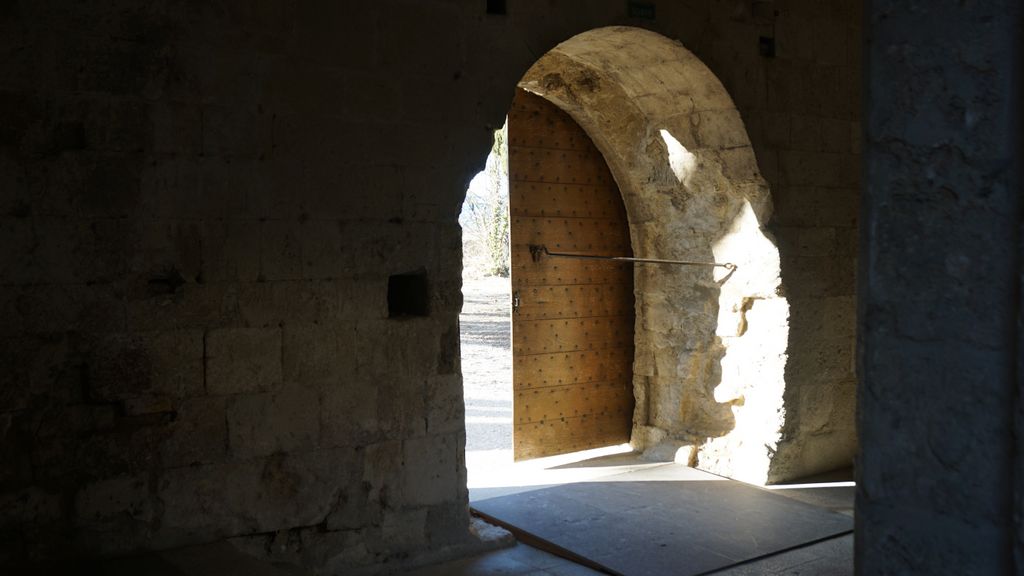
pixel 536 251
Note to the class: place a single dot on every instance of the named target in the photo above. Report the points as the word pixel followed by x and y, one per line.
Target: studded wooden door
pixel 572 320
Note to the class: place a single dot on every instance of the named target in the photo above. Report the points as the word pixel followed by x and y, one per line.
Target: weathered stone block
pixel 227 249
pixel 301 489
pixel 177 128
pixel 429 470
pixel 349 410
pixel 715 129
pixel 159 248
pixel 198 434
pixel 402 346
pixel 231 186
pixel 125 366
pixel 16 263
pixel 104 504
pixel 243 360
pixel 396 249
pixel 811 168
pixel 89 251
pixel 816 206
pixel 839 136
pixel 441 50
pixel 738 164
pixel 280 250
pixel 171 188
pixel 775 130
pixel 822 357
pixel 111 124
pixel 356 192
pixel 302 302
pixel 86 183
pixel 448 525
pixel 402 414
pixel 824 318
pixel 210 501
pixel 446 410
pixel 353 507
pixel 806 133
pixel 261 495
pixel 232 132
pixel 15 435
pixel 382 469
pixel 190 306
pixel 29 507
pixel 816 241
pixel 405 529
pixel 324 249
pixel 70 440
pixel 143 405
pixel 262 424
pixel 317 353
pixel 338 35
pixel 806 276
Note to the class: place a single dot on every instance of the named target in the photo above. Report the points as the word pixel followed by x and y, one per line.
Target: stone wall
pixel 709 369
pixel 940 356
pixel 799 104
pixel 201 205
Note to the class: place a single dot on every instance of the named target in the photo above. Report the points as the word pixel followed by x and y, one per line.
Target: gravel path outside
pixel 487 363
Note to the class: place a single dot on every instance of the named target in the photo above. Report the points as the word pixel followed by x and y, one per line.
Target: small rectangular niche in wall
pixel 643 10
pixel 495 6
pixel 408 295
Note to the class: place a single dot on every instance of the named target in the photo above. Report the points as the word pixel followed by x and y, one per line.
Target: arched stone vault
pixel 710 346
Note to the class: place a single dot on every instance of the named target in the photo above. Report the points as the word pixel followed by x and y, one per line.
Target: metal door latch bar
pixel 536 251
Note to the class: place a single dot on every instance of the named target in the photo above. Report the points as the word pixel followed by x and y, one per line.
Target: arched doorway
pixel 712 373
pixel 708 374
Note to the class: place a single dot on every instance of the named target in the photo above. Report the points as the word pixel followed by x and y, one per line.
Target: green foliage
pixel 485 215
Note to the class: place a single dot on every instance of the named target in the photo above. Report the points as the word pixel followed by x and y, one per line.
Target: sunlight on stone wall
pixel 753 323
pixel 710 344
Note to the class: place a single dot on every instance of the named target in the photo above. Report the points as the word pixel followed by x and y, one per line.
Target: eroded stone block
pixel 243 360
pixel 429 470
pixel 282 421
pixel 349 410
pixel 198 433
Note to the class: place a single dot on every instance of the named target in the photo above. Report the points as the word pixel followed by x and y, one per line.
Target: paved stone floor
pixel 520 560
pixel 829 558
pixel 833 557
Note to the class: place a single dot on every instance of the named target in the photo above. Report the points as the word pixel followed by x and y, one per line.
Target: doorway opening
pixel 716 377
pixel 707 364
pixel 485 324
pixel 547 344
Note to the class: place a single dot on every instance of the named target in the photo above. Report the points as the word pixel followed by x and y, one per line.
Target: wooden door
pixel 572 320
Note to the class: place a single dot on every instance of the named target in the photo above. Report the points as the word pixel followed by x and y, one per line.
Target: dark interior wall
pixel 201 204
pixel 940 280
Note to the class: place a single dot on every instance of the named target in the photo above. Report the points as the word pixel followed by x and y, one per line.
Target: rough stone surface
pixel 938 492
pixel 718 361
pixel 201 204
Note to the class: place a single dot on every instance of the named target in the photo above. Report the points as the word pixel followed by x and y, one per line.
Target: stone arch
pixel 710 345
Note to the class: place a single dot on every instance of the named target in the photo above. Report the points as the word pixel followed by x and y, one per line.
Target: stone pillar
pixel 938 289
